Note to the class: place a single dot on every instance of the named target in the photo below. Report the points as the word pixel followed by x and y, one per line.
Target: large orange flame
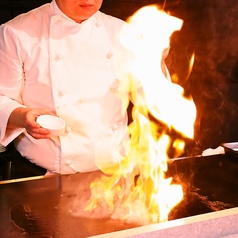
pixel 137 189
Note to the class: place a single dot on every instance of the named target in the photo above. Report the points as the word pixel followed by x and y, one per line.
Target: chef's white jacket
pixel 47 60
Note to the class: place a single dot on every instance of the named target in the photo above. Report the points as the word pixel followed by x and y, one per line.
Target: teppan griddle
pixel 47 206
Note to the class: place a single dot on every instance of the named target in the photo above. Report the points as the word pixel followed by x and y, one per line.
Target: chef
pixel 58 59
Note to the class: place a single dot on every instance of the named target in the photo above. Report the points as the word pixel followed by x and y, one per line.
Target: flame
pixel 136 189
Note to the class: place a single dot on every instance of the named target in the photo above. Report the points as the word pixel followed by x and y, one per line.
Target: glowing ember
pixel 136 190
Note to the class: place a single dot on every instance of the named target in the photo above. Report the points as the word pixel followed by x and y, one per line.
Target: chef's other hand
pixel 26 118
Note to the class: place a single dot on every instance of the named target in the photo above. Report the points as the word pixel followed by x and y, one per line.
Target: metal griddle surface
pixel 46 207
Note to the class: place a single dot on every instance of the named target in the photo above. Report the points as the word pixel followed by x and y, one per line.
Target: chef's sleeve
pixel 11 82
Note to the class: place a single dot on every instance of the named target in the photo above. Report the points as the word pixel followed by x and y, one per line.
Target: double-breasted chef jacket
pixel 49 61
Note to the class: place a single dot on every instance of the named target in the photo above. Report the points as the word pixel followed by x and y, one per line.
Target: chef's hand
pixel 26 118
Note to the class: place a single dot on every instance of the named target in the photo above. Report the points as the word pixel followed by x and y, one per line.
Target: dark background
pixel 210 32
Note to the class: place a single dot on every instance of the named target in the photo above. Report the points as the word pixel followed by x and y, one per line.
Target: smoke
pixel 209 31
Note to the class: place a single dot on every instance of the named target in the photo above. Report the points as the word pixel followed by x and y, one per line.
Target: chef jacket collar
pixel 57 11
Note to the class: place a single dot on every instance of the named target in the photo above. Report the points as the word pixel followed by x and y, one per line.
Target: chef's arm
pixel 22 117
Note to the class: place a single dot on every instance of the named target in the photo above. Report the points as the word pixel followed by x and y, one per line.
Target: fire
pixel 136 189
